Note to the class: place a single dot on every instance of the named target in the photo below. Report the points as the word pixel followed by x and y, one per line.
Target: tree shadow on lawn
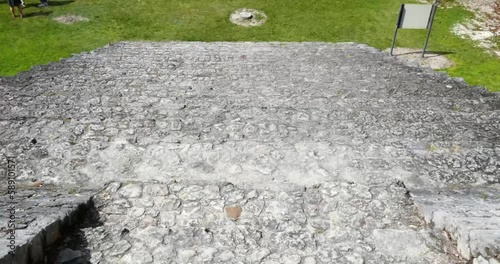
pixel 36 14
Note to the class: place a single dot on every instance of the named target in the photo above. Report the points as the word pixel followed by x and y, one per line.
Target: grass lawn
pixel 37 39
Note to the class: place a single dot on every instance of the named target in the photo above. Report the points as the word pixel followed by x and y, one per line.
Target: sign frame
pixel 400 24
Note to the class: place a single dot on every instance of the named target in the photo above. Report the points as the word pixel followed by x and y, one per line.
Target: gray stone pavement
pixel 335 222
pixel 271 118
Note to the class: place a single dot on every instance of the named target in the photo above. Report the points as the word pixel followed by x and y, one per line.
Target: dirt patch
pixel 248 17
pixel 484 28
pixel 483 6
pixel 434 60
pixel 473 29
pixel 70 19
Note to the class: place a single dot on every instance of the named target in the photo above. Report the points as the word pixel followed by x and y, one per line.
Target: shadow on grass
pixel 427 53
pixel 31 5
pixel 51 3
pixel 37 14
pixel 60 3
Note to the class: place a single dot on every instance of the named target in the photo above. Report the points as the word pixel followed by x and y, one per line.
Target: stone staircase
pixel 268 118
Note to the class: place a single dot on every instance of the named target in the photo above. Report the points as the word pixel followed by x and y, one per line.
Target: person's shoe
pixel 42 5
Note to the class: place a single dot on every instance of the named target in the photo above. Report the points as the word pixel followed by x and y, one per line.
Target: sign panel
pixel 415 16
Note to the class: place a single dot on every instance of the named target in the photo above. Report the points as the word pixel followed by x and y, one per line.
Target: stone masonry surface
pixel 172 125
pixel 335 222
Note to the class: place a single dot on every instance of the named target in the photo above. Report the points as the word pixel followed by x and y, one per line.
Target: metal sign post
pixel 413 16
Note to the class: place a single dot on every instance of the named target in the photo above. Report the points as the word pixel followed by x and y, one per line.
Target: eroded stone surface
pixel 336 222
pixel 469 216
pixel 267 117
pixel 250 113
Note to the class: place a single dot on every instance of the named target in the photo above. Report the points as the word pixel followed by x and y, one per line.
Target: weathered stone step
pixel 471 217
pixel 151 93
pixel 483 122
pixel 33 219
pixel 359 124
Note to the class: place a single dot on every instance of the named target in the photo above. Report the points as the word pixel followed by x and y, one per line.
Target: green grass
pixel 39 40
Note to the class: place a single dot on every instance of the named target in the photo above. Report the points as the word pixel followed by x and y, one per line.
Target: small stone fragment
pixel 494 261
pixel 258 255
pixel 137 211
pixel 113 187
pixel 142 257
pixel 354 259
pixel 246 15
pixel 292 259
pixel 131 191
pixel 185 255
pixel 252 194
pixel 156 190
pixel 120 247
pixel 309 260
pixel 480 260
pixel 226 256
pixel 207 254
pixel 233 212
pixel 79 130
pixel 96 257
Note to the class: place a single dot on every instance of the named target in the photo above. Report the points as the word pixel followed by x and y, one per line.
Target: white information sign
pixel 415 16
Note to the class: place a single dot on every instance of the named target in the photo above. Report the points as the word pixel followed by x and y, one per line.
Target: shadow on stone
pixel 72 247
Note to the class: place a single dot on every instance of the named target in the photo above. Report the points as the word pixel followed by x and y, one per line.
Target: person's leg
pixel 20 9
pixel 12 11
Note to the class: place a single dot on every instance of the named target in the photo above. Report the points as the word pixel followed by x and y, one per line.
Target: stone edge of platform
pixel 33 249
pixel 447 203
